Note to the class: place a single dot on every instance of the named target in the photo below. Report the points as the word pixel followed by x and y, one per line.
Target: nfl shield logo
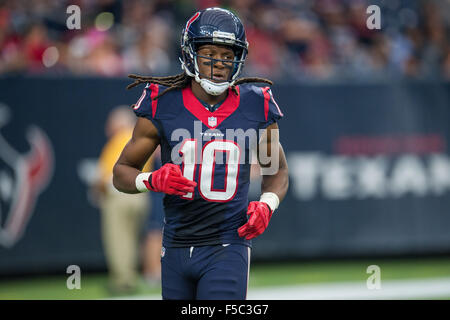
pixel 212 121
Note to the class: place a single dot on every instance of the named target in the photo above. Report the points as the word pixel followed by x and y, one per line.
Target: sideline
pixel 390 289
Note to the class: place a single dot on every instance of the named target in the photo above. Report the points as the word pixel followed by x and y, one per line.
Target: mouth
pixel 219 77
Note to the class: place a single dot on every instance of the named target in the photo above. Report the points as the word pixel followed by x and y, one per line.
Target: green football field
pixel 267 275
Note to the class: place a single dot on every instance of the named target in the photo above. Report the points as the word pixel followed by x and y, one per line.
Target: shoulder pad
pixel 258 104
pixel 164 107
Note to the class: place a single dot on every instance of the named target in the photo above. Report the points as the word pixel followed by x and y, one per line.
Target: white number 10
pixel 207 166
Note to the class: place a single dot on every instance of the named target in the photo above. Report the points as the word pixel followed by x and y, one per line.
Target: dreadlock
pixel 182 80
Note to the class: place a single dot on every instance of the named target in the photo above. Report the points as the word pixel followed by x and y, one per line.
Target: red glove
pixel 260 215
pixel 169 179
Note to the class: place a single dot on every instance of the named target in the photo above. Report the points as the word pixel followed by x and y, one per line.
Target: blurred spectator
pixel 148 55
pixel 103 57
pixel 295 39
pixel 265 54
pixel 122 214
pixel 34 44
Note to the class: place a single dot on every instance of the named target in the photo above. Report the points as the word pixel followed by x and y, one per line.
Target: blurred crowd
pixel 289 39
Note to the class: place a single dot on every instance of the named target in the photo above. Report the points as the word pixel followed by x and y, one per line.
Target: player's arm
pixel 275 177
pixel 143 142
pixel 274 186
pixel 127 174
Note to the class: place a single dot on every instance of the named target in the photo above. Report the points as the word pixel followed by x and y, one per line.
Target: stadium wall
pixel 369 171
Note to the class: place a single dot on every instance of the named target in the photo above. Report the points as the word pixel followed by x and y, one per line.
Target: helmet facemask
pixel 190 61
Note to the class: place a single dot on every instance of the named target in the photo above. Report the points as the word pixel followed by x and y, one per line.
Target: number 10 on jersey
pixel 209 157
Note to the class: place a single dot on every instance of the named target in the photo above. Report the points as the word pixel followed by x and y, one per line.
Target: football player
pixel 209 222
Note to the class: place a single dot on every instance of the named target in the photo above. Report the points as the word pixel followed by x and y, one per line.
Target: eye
pixel 228 56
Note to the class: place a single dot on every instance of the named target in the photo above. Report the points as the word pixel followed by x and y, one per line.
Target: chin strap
pixel 211 87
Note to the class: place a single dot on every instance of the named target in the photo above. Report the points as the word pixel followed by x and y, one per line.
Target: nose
pixel 218 63
pixel 222 64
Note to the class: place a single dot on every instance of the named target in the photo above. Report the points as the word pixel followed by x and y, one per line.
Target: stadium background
pixel 366 136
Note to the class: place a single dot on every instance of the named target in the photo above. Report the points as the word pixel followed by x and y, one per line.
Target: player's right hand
pixel 170 180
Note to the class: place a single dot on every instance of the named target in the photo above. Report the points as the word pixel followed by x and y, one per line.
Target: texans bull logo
pixel 23 177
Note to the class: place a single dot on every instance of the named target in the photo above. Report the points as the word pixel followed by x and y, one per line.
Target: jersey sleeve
pixel 272 112
pixel 146 105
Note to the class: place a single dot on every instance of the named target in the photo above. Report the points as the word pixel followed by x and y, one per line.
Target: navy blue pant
pixel 208 272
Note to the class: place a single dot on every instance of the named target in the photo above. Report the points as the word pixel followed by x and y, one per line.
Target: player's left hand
pixel 260 215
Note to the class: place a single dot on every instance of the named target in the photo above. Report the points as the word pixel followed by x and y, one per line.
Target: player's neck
pixel 201 94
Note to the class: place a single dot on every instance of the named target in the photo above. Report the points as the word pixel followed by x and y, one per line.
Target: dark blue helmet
pixel 213 26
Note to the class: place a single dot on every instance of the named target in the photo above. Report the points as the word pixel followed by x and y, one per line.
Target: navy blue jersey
pixel 213 149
